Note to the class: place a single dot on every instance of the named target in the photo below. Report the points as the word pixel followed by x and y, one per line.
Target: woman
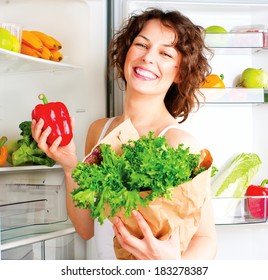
pixel 160 57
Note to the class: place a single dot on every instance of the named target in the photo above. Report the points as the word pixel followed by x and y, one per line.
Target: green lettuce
pixel 147 164
pixel 234 179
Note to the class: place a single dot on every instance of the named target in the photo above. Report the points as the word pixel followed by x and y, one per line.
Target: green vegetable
pixel 12 146
pixel 237 175
pixel 26 151
pixel 147 164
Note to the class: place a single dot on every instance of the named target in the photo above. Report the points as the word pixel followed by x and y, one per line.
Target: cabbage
pixel 234 179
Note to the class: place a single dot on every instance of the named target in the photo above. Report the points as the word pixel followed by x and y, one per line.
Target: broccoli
pixel 27 151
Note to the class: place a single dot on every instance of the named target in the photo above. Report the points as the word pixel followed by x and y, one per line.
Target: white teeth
pixel 145 73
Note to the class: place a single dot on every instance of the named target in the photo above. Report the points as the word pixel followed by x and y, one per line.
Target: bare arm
pixel 204 243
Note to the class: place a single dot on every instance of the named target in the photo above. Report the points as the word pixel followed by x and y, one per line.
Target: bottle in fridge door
pixel 231 121
pixel 62 54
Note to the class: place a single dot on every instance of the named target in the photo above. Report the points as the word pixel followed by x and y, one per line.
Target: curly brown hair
pixel 194 68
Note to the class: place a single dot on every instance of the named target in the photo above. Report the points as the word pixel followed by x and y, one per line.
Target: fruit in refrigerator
pixel 3 150
pixel 47 40
pixel 214 81
pixel 5 39
pixel 56 56
pixel 15 44
pixel 215 29
pixel 27 50
pixel 31 40
pixel 41 45
pixel 57 117
pixel 257 200
pixel 253 78
pixel 46 53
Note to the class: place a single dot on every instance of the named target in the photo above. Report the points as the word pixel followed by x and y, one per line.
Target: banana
pixel 58 44
pixel 31 40
pixel 56 55
pixel 46 53
pixel 27 50
pixel 47 40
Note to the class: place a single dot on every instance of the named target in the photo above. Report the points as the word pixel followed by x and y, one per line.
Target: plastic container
pixel 239 210
pixel 15 30
pixel 235 40
pixel 29 197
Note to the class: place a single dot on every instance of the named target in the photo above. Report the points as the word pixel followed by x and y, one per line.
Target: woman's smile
pixel 144 74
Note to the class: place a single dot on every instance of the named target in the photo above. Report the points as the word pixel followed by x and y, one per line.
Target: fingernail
pixel 135 213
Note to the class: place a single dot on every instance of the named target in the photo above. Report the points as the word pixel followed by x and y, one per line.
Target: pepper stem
pixel 222 76
pixel 264 182
pixel 42 97
pixel 3 141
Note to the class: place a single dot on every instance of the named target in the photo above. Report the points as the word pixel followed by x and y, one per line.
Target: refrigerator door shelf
pixel 12 62
pixel 240 210
pixel 232 95
pixel 235 40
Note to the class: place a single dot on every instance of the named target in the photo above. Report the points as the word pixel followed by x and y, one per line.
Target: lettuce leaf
pixel 234 179
pixel 147 164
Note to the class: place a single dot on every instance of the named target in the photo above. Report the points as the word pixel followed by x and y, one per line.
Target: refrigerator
pixel 232 120
pixel 34 222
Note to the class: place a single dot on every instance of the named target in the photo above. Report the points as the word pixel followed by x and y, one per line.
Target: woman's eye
pixel 141 45
pixel 167 54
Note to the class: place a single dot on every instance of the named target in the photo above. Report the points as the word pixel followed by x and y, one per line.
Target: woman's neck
pixel 146 112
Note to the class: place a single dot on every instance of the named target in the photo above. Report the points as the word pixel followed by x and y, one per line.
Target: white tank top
pixel 104 233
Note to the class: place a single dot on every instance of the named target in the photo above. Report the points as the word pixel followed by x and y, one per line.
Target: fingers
pixel 143 225
pixel 125 239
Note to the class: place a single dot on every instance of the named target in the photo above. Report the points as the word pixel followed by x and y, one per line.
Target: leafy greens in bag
pixel 117 180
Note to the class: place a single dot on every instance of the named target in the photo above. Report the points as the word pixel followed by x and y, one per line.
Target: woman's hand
pixel 149 247
pixel 63 155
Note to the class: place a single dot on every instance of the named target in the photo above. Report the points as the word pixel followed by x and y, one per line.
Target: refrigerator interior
pixel 79 81
pixel 225 127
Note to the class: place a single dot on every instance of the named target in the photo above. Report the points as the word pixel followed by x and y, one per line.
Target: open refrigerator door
pixel 232 120
pixel 33 215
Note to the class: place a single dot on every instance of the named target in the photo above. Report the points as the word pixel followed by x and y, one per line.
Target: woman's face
pixel 152 62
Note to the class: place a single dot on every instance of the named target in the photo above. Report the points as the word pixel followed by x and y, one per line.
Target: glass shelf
pixel 30 234
pixel 11 62
pixel 7 168
pixel 232 95
pixel 240 210
pixel 236 40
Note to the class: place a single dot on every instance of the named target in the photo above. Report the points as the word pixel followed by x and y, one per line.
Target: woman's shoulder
pixel 94 132
pixel 177 135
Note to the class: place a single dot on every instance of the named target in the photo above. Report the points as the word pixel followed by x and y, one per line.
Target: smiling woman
pixel 152 57
pixel 160 56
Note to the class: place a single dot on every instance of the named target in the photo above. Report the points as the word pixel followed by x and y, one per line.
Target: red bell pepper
pixel 258 207
pixel 55 115
pixel 3 151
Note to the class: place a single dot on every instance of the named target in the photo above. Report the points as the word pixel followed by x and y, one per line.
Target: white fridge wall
pixel 81 27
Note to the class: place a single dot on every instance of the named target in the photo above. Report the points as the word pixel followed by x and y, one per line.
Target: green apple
pixel 5 39
pixel 254 78
pixel 215 29
pixel 15 44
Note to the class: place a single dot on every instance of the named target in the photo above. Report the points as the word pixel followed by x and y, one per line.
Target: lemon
pixel 5 39
pixel 15 44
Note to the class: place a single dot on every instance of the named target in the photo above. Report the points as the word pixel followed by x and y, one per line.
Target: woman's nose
pixel 148 57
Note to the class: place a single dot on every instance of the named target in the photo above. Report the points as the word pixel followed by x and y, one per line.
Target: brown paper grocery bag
pixel 118 136
pixel 163 215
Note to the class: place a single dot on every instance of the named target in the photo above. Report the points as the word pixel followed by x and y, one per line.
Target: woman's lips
pixel 145 74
